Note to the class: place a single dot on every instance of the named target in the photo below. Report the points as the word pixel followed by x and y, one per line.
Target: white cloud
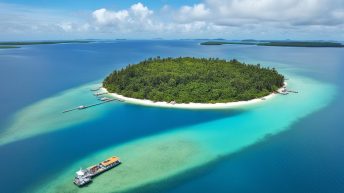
pixel 209 18
pixel 137 12
pixel 66 26
pixel 135 18
pixel 140 11
pixel 139 19
pixel 21 22
pixel 218 18
pixel 298 12
pixel 197 12
pixel 105 17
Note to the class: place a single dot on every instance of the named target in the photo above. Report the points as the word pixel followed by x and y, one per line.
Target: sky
pixel 172 19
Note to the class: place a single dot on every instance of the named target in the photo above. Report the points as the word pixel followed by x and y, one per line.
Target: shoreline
pixel 146 102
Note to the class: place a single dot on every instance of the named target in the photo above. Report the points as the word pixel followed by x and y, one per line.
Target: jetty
pixel 284 91
pixel 104 99
pixel 100 93
pixel 292 91
pixel 95 89
pixel 81 107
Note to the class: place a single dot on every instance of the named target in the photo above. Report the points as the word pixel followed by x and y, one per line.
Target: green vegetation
pixel 41 42
pixel 8 47
pixel 302 44
pixel 278 43
pixel 199 80
pixel 249 40
pixel 216 43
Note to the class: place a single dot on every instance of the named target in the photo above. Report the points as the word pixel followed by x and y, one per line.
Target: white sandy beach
pixel 146 102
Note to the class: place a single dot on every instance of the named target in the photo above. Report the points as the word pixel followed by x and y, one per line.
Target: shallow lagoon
pixel 172 153
pixel 136 133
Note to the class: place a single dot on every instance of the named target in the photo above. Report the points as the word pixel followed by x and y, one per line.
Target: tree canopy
pixel 277 43
pixel 199 80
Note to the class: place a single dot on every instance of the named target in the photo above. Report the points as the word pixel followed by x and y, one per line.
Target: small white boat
pixel 82 107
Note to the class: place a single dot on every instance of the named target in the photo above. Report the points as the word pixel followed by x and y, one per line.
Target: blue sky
pixel 230 19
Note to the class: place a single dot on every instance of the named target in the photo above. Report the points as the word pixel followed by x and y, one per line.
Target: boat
pixel 81 107
pixel 99 93
pixel 104 99
pixel 84 176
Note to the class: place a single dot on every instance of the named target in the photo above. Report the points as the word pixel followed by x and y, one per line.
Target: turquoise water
pixel 176 151
pixel 161 149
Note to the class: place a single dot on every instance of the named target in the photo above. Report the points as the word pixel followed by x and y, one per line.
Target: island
pixel 216 43
pixel 187 80
pixel 277 43
pixel 17 44
pixel 8 47
pixel 302 44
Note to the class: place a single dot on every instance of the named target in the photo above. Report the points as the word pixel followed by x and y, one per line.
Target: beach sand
pixel 147 102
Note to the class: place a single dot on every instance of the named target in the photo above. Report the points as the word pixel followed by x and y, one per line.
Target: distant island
pixel 302 44
pixel 17 44
pixel 193 80
pixel 8 47
pixel 277 43
pixel 215 43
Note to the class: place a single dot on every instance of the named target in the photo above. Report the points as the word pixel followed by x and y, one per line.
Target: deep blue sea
pixel 307 156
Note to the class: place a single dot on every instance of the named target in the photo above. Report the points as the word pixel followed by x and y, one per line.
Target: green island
pixel 43 42
pixel 302 44
pixel 8 45
pixel 277 43
pixel 197 80
pixel 216 43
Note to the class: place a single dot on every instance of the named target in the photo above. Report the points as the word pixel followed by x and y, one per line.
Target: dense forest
pixel 8 45
pixel 277 43
pixel 303 44
pixel 42 42
pixel 198 80
pixel 216 43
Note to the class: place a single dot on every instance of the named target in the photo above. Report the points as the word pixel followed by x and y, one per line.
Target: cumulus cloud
pixel 139 18
pixel 137 12
pixel 298 12
pixel 196 12
pixel 105 17
pixel 208 18
pixel 136 17
pixel 229 17
pixel 141 11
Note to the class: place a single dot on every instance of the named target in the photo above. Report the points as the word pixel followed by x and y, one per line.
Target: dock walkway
pixel 92 105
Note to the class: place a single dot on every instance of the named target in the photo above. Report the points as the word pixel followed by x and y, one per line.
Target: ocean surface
pixel 290 143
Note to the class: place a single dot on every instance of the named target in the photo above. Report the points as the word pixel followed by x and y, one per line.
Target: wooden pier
pixel 286 92
pixel 292 91
pixel 92 105
pixel 100 93
pixel 282 93
pixel 95 89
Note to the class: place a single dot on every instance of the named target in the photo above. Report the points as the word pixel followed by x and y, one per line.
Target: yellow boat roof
pixel 110 161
